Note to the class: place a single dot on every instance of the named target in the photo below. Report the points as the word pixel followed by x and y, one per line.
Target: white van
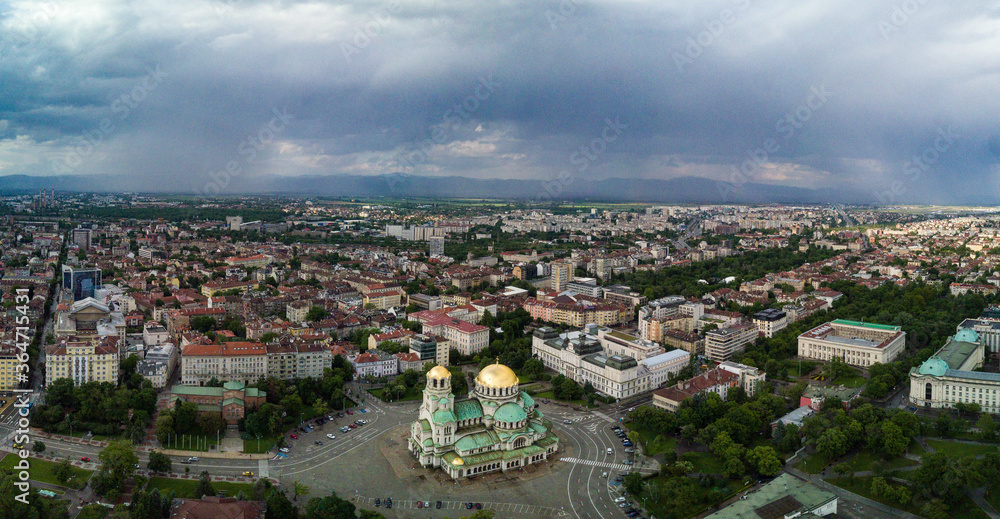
pixel 609 450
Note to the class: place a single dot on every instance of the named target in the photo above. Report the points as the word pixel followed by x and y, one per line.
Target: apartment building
pixel 750 377
pixel 375 363
pixel 90 360
pixel 723 344
pixel 294 360
pixel 158 364
pixel 717 381
pixel 465 337
pixel 856 343
pixel 9 367
pixel 770 321
pixel 244 362
pixel 562 274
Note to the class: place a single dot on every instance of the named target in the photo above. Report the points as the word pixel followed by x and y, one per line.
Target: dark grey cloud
pixel 699 88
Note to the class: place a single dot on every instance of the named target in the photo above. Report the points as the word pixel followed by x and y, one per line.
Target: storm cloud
pixel 897 99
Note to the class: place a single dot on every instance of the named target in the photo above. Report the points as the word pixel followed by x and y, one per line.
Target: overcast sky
pixel 801 93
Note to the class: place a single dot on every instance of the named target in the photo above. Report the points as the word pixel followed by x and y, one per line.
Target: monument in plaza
pixel 495 428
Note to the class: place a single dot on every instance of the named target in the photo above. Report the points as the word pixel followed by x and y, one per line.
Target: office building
pixel 83 238
pixel 82 282
pixel 725 343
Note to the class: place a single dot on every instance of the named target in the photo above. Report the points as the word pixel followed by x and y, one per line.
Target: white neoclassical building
pixel 496 428
pixel 949 376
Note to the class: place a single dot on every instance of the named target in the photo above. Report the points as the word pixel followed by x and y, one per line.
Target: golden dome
pixel 439 372
pixel 457 461
pixel 497 375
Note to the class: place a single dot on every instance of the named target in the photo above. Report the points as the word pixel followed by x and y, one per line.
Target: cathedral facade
pixel 495 429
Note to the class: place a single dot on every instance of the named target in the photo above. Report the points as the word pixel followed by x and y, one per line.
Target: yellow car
pixel 248 474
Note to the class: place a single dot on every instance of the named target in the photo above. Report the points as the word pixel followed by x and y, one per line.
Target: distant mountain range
pixel 675 190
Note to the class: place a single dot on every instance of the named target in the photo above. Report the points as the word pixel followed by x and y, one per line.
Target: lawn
pixel 704 462
pixel 915 448
pixel 41 470
pixel 959 450
pixel 813 463
pixel 651 447
pixel 852 380
pixel 865 459
pixel 184 488
pixel 863 486
pixel 266 443
pixel 551 396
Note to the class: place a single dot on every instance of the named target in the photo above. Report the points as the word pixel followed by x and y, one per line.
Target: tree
pixel 299 490
pixel 316 313
pixel 204 487
pixel 118 462
pixel 832 443
pixel 987 428
pixel 934 509
pixel 279 506
pixel 894 443
pixel 764 460
pixel 633 483
pixel 159 462
pixel 38 446
pixel 63 471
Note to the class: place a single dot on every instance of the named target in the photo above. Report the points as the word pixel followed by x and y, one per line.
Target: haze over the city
pixel 839 99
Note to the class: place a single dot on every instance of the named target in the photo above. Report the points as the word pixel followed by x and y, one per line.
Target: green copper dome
pixel 967 335
pixel 933 366
pixel 510 413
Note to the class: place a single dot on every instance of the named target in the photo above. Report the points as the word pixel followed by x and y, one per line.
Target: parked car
pixel 330 436
pixel 350 412
pixel 294 436
pixel 284 449
pixel 248 474
pixel 567 421
pixel 317 442
pixel 378 502
pixel 468 506
pixel 84 459
pixel 420 504
pixel 438 505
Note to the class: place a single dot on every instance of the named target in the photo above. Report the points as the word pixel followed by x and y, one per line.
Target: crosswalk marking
pixel 592 463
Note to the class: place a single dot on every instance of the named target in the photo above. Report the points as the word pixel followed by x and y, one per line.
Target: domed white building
pixel 496 428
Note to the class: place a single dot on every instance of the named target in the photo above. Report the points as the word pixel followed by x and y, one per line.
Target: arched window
pixel 927 392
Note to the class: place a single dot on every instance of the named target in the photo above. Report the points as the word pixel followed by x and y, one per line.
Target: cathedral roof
pixel 497 375
pixel 510 413
pixel 468 409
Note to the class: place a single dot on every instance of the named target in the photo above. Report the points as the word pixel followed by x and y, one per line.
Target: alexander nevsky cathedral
pixel 496 428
